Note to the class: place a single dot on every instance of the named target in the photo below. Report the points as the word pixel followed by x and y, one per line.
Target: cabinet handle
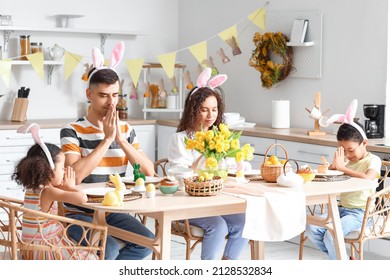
pixel 311 153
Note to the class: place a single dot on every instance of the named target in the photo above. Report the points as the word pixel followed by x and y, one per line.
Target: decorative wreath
pixel 266 45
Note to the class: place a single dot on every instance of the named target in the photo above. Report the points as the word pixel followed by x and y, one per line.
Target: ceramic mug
pixel 315 113
pixel 180 173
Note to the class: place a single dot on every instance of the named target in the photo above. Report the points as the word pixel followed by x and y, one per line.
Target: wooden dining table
pixel 166 209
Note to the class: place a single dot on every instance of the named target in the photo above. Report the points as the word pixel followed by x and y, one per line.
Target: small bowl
pixel 169 189
pixel 307 177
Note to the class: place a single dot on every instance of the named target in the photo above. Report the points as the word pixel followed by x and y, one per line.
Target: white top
pixel 178 154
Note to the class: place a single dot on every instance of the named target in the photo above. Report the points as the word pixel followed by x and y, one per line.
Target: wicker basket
pixel 206 188
pixel 271 172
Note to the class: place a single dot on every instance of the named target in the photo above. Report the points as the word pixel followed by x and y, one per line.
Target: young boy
pixel 352 158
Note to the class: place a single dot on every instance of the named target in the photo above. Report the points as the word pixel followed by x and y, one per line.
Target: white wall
pixel 65 99
pixel 354 55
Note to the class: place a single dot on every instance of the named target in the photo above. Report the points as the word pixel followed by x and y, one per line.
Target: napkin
pixel 272 213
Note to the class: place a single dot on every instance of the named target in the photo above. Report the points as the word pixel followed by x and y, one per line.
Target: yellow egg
pixel 150 187
pixel 140 182
pixel 201 178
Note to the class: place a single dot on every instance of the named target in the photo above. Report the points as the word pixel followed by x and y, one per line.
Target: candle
pixel 280 113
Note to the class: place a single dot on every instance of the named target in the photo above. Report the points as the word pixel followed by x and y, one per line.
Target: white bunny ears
pixel 205 81
pixel 116 57
pixel 348 117
pixel 34 130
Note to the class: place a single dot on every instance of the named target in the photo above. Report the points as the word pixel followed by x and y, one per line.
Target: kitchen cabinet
pixel 13 147
pixel 163 135
pixel 260 145
pixel 146 135
pixel 305 153
pixel 179 95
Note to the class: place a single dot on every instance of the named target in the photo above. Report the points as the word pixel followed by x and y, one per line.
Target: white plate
pixel 249 173
pixel 242 125
pixel 149 179
pixel 329 173
pixel 101 191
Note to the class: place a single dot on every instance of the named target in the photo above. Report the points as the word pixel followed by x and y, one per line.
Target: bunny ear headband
pixel 205 81
pixel 98 58
pixel 348 118
pixel 34 130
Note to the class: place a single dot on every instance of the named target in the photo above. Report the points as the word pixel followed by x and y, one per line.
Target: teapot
pixel 56 52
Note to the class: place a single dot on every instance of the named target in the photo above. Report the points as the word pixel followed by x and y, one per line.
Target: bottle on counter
pixel 121 107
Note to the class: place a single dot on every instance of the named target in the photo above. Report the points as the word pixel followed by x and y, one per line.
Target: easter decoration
pixel 210 63
pixel 162 94
pixel 234 45
pixel 267 46
pixel 88 69
pixel 223 56
pixel 150 190
pixel 324 167
pixel 137 172
pixel 139 185
pixel 116 196
pixel 187 80
pixel 133 91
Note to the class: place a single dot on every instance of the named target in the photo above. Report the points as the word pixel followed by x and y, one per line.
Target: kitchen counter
pixel 289 134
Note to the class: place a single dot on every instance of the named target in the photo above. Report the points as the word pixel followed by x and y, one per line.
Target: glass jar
pixel 25 47
pixel 36 47
pixel 121 107
pixel 220 170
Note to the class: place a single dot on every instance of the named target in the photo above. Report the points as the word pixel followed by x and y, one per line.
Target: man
pixel 98 145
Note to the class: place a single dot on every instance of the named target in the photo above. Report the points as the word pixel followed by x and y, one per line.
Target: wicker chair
pixel 376 223
pixel 13 247
pixel 192 235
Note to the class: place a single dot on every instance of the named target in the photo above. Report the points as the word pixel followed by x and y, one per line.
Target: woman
pixel 203 109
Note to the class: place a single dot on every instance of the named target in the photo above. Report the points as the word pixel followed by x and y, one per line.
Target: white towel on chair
pixel 272 213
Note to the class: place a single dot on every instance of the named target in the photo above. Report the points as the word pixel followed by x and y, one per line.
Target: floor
pixel 287 250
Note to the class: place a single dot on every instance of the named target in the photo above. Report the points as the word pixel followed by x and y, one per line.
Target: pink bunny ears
pixel 34 130
pixel 348 117
pixel 116 57
pixel 205 81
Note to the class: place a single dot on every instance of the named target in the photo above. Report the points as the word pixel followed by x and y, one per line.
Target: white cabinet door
pixel 146 135
pixel 306 153
pixel 163 135
pixel 260 145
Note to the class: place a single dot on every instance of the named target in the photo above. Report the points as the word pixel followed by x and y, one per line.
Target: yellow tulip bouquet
pixel 216 144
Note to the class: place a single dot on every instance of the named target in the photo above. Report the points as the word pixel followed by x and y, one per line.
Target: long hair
pixel 34 169
pixel 192 115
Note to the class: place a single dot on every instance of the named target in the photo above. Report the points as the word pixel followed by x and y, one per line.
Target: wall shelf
pixel 304 44
pixel 50 64
pixel 7 30
pixel 307 56
pixel 179 103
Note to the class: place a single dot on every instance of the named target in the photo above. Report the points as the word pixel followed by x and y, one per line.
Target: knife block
pixel 19 113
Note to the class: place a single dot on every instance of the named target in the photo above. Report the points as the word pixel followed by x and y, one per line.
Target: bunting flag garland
pixel 199 51
pixel 71 62
pixel 36 60
pixel 134 67
pixel 168 63
pixel 258 18
pixel 5 71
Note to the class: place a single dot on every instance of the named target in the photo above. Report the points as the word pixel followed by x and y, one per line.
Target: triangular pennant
pixel 168 63
pixel 5 71
pixel 134 67
pixel 36 60
pixel 227 34
pixel 199 51
pixel 71 62
pixel 258 18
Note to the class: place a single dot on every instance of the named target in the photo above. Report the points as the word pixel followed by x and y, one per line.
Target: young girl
pixel 204 108
pixel 354 160
pixel 44 186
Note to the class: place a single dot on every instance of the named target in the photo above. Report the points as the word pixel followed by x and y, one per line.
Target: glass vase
pixel 220 170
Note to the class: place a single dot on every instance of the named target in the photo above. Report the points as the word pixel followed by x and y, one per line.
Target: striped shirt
pixel 82 137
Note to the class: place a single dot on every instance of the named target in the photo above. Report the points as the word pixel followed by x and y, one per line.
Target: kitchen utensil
pixel 56 52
